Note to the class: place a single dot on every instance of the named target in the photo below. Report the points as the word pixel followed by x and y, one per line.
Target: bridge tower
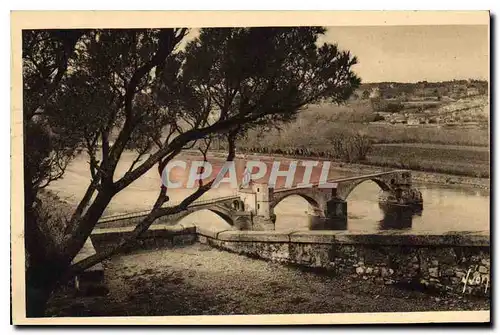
pixel 257 199
pixel 263 194
pixel 264 218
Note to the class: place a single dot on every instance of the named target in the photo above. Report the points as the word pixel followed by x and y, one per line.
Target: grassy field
pixel 382 133
pixel 444 149
pixel 464 161
pixel 422 134
pixel 311 131
pixel 472 161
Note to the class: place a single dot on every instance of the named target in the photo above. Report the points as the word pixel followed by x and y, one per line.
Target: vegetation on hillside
pixel 350 133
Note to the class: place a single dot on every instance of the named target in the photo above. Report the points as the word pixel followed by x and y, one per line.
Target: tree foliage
pixel 46 57
pixel 266 75
pixel 106 91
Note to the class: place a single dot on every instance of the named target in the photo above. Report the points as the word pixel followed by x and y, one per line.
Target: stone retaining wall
pixel 454 262
pixel 158 236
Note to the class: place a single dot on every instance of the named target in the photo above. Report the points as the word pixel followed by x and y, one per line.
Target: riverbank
pixel 200 280
pixel 357 169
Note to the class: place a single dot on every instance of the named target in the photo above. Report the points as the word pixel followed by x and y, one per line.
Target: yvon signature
pixel 475 279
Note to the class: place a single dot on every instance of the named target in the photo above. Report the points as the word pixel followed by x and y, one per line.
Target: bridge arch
pixel 221 212
pixel 345 189
pixel 314 198
pixel 310 200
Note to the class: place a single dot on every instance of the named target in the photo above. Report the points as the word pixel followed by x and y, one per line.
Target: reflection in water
pixel 393 219
pixel 398 218
pixel 319 223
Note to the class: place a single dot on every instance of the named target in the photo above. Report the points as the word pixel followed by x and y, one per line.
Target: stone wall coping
pixel 479 238
pixel 392 237
pixel 255 236
pixel 154 228
pixel 208 232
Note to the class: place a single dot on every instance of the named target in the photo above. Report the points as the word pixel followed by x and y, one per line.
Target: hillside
pixel 469 111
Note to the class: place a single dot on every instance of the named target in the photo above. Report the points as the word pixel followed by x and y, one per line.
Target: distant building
pixel 413 121
pixel 441 90
pixel 472 91
pixel 446 98
pixel 375 93
pixel 399 119
pixel 459 88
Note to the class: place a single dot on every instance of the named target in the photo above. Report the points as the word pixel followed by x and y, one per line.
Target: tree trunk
pixel 36 300
pixel 41 277
pixel 41 280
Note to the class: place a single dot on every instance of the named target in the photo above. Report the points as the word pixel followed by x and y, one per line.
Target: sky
pixel 411 53
pixel 415 53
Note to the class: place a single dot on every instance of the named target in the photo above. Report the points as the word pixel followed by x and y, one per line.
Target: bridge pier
pixel 336 210
pixel 263 223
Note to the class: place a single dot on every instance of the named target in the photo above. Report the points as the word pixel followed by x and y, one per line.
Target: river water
pixel 446 208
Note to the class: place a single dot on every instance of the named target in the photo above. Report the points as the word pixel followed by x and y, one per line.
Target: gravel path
pixel 197 280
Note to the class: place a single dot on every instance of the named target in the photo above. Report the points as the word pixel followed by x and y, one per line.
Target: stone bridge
pixel 387 181
pixel 329 200
pixel 252 208
pixel 231 209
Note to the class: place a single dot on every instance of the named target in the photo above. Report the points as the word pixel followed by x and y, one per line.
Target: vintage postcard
pixel 232 168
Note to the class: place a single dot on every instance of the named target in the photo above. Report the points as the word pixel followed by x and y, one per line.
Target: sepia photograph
pixel 250 168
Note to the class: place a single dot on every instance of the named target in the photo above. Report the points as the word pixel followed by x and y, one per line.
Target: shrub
pixel 350 148
pixel 380 105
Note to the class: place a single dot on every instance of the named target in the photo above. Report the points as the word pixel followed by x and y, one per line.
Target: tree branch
pixel 167 41
pixel 156 212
